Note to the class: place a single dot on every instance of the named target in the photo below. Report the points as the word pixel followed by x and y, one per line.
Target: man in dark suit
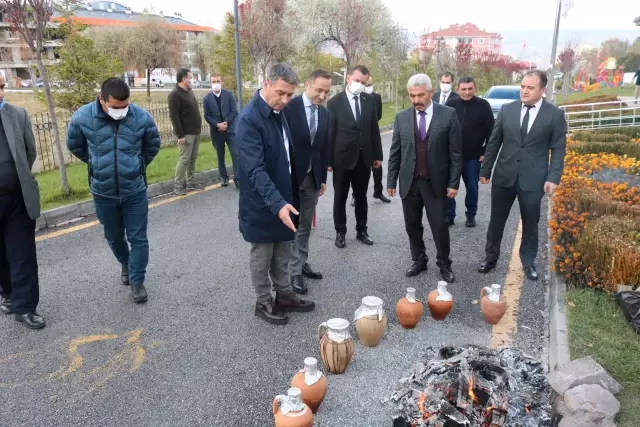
pixel 426 154
pixel 220 111
pixel 355 147
pixel 309 124
pixel 525 132
pixel 268 194
pixel 446 92
pixel 377 172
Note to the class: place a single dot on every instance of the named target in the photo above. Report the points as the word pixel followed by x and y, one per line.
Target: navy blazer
pixel 316 154
pixel 213 115
pixel 266 185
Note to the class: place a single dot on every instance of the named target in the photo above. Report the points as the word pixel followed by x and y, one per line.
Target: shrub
pixel 610 247
pixel 618 147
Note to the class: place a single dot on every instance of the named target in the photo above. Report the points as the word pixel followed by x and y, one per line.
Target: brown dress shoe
pixel 268 311
pixel 289 301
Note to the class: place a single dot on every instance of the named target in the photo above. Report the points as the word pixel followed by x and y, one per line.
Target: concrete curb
pixel 76 211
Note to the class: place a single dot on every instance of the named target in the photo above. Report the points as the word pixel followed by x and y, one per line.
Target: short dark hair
pixel 115 88
pixel 447 74
pixel 466 80
pixel 364 70
pixel 282 71
pixel 541 75
pixel 182 73
pixel 319 73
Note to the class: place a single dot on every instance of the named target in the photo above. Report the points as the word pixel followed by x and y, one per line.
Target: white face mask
pixel 445 87
pixel 369 89
pixel 118 114
pixel 216 87
pixel 356 88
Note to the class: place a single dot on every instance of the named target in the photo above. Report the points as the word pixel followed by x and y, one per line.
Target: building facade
pixel 481 41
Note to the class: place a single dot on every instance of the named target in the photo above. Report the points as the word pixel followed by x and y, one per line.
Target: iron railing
pixel 602 115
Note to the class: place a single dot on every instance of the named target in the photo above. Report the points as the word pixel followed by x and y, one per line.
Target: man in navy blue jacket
pixel 309 124
pixel 268 194
pixel 221 111
pixel 118 140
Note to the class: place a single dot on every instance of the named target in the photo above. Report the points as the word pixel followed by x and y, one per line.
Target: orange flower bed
pixel 581 199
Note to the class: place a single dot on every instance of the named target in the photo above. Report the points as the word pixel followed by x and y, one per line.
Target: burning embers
pixel 474 387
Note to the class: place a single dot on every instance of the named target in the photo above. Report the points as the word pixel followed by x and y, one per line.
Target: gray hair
pixel 419 80
pixel 282 71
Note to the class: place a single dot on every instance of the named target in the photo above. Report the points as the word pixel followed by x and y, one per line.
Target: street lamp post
pixel 554 46
pixel 237 39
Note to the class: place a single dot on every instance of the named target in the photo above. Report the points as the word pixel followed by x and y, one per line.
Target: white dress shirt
pixel 284 134
pixel 533 113
pixel 352 102
pixel 427 118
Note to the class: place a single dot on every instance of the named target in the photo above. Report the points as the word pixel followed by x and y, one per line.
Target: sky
pixel 417 15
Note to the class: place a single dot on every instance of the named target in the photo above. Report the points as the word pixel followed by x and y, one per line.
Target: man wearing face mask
pixel 355 147
pixel 118 140
pixel 377 172
pixel 220 111
pixel 445 93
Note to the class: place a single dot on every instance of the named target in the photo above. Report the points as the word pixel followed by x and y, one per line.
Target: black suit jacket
pixel 378 100
pixel 528 160
pixel 316 153
pixel 213 115
pixel 444 154
pixel 436 96
pixel 349 137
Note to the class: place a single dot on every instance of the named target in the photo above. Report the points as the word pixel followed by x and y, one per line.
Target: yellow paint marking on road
pixel 503 333
pixel 90 224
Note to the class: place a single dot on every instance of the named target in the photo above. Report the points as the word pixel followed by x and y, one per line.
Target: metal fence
pixel 602 114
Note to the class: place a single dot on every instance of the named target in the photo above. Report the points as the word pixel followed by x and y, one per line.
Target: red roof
pixel 100 22
pixel 462 30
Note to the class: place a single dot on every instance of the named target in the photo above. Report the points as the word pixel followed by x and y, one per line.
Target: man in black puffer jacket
pixel 476 120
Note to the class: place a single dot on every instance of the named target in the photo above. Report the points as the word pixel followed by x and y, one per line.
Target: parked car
pixel 500 95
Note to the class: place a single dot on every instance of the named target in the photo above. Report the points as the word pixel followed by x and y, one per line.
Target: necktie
pixel 312 122
pixel 355 98
pixel 524 130
pixel 444 99
pixel 422 126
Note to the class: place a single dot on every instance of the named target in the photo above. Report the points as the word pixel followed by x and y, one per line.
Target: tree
pixel 29 18
pixel 567 62
pixel 81 70
pixel 463 52
pixel 614 47
pixel 266 27
pixel 637 21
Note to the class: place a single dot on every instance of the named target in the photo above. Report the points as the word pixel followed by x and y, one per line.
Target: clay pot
pixel 492 304
pixel 440 301
pixel 371 321
pixel 409 309
pixel 311 383
pixel 290 411
pixel 336 345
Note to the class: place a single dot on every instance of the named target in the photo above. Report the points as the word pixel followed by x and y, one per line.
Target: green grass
pixel 578 96
pixel 161 169
pixel 597 328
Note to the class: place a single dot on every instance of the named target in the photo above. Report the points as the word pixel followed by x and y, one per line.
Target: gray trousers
pixel 268 264
pixel 300 246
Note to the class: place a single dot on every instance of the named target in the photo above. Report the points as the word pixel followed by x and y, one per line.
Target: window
pixel 481 41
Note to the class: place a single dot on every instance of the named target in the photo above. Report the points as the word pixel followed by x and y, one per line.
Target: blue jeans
pixel 127 216
pixel 471 178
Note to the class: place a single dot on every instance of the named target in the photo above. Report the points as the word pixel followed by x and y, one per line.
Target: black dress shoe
pixel 531 272
pixel 381 197
pixel 31 320
pixel 268 311
pixel 298 285
pixel 450 222
pixel 225 182
pixel 447 274
pixel 139 293
pixel 364 238
pixel 124 275
pixel 6 306
pixel 288 301
pixel 417 268
pixel 487 266
pixel 340 242
pixel 309 273
pixel 471 222
pixel 237 183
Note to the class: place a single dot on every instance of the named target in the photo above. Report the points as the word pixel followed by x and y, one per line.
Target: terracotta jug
pixel 336 345
pixel 409 309
pixel 492 304
pixel 371 321
pixel 440 301
pixel 311 383
pixel 291 411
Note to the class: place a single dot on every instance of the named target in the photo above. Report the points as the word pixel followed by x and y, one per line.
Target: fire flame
pixel 420 403
pixel 526 408
pixel 473 396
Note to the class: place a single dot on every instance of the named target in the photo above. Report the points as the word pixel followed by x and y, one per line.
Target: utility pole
pixel 554 47
pixel 237 37
pixel 438 48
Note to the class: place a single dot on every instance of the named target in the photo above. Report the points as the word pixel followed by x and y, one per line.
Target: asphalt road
pixel 195 355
